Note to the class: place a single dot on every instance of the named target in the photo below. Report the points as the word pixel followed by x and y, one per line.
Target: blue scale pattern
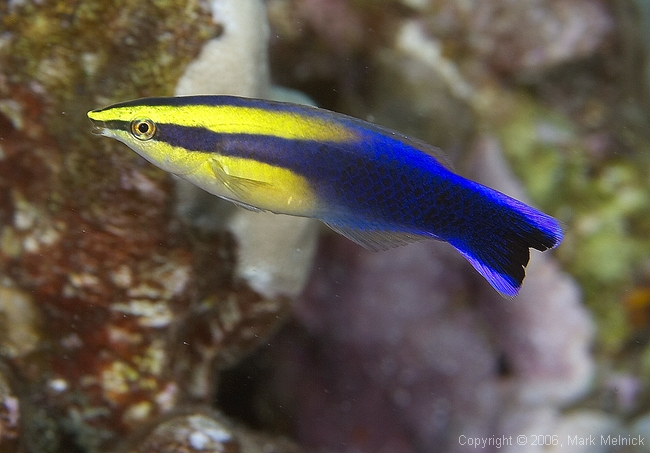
pixel 382 182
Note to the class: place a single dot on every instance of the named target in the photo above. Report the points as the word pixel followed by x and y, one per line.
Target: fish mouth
pixel 98 130
pixel 99 127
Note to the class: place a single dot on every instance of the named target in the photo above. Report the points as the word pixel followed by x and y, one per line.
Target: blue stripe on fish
pixel 387 187
pixel 375 186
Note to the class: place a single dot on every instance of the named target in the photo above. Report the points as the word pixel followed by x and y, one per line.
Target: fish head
pixel 145 127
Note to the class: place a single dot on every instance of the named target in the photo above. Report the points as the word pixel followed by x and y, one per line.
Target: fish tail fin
pixel 497 240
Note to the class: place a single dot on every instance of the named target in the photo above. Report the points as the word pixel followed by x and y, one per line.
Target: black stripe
pixel 309 158
pixel 118 125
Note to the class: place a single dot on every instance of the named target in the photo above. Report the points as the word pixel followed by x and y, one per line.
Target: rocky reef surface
pixel 117 310
pixel 139 314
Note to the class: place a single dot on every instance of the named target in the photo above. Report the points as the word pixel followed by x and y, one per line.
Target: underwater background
pixel 140 314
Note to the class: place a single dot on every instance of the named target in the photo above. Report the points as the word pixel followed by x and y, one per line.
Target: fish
pixel 373 185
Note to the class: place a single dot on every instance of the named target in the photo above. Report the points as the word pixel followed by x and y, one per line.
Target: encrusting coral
pixel 136 309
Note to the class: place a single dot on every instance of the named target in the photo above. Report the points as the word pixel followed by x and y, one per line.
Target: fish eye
pixel 143 128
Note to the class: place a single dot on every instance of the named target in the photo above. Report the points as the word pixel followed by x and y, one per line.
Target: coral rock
pixel 207 433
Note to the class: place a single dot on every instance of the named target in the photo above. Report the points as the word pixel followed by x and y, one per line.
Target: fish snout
pixel 99 126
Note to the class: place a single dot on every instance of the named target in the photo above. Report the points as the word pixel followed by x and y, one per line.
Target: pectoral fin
pixel 244 189
pixel 261 186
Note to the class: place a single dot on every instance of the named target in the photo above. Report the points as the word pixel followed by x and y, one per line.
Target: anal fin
pixel 376 239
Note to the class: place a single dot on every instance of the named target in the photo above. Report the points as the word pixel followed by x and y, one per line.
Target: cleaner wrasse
pixel 375 186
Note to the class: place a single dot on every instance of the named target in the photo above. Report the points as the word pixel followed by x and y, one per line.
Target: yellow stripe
pixel 228 119
pixel 247 181
pixel 271 188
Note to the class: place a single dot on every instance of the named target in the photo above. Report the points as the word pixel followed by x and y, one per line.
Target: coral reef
pixel 558 91
pixel 124 294
pixel 274 253
pixel 10 417
pixel 426 348
pixel 116 312
pixel 201 431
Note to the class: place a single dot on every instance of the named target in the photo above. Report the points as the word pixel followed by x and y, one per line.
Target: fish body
pixel 375 186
